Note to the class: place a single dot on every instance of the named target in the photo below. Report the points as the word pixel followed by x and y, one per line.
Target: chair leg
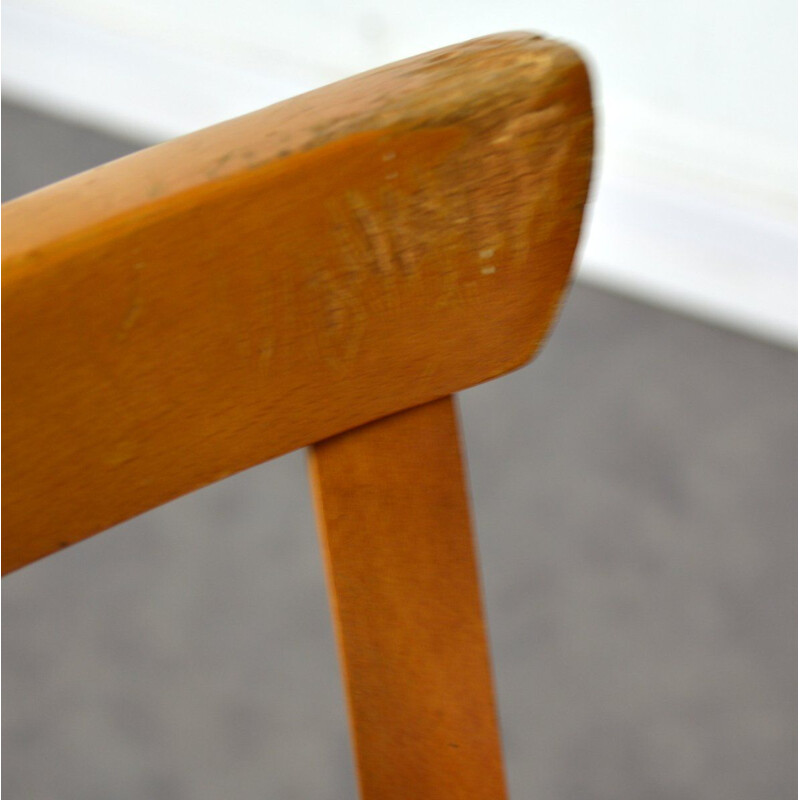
pixel 395 526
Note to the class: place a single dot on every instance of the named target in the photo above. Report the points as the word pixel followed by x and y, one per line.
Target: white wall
pixel 695 203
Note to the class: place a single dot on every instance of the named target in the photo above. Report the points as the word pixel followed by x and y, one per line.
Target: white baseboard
pixel 670 244
pixel 695 255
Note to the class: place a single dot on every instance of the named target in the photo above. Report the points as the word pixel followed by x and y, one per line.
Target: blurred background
pixel 634 488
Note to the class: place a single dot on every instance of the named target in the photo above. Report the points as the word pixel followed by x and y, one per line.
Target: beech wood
pixel 403 579
pixel 199 307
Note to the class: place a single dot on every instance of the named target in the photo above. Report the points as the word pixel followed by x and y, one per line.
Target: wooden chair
pixel 326 273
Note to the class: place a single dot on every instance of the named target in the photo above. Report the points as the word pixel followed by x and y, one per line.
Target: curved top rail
pixel 204 305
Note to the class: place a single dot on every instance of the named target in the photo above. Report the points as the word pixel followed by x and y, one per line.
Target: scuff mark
pixel 371 227
pixel 134 312
pixel 122 453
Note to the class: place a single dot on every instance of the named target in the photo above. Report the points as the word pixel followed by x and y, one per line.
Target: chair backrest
pixel 325 272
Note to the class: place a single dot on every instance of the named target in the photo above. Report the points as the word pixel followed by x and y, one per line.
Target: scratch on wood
pixel 343 318
pixel 136 305
pixel 374 233
pixel 122 453
pixel 477 234
pixel 134 312
pixel 405 245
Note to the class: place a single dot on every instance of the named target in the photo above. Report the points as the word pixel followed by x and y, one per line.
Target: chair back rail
pixel 221 299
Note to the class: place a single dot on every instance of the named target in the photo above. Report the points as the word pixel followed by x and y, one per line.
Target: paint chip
pixel 389 156
pixel 490 270
pixel 487 252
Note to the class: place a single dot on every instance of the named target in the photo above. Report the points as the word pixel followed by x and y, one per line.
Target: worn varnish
pixel 204 305
pixel 395 526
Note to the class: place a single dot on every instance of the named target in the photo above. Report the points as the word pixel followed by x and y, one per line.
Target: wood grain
pixel 395 526
pixel 207 304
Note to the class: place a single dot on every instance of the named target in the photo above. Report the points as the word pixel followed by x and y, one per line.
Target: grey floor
pixel 635 501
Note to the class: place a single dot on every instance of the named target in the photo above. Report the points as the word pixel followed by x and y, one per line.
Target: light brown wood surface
pixel 402 570
pixel 207 304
